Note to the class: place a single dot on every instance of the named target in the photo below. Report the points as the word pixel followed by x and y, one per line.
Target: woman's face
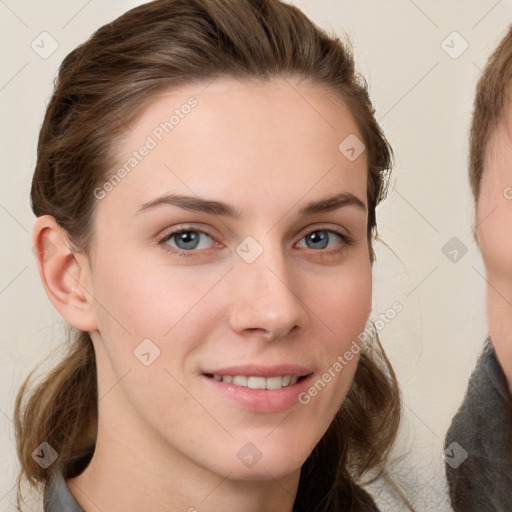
pixel 267 286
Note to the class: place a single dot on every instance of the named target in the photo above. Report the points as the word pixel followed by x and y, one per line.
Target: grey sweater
pixel 482 428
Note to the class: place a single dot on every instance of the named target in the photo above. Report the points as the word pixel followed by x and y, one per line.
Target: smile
pixel 256 382
pixel 263 389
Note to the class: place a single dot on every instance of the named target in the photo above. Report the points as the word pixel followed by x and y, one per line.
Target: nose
pixel 263 298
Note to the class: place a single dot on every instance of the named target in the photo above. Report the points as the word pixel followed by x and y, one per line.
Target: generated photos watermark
pixel 355 348
pixel 156 136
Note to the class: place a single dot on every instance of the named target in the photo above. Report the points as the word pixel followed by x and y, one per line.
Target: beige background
pixel 423 97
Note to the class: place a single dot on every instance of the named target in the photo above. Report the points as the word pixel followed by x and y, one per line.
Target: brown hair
pixel 489 108
pixel 102 86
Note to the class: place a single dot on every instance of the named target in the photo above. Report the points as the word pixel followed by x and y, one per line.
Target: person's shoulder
pixel 493 373
pixel 57 497
pixel 487 404
pixel 478 443
pixel 487 387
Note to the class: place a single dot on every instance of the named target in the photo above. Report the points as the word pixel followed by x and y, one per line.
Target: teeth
pixel 240 380
pixel 253 382
pixel 257 383
pixel 275 382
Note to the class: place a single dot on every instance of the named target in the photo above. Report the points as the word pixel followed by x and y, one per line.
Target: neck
pixel 132 471
pixel 499 317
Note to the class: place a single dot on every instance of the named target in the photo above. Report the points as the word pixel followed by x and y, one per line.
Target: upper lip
pixel 262 371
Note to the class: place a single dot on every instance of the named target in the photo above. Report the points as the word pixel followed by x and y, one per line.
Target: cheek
pixel 343 306
pixel 495 238
pixel 345 303
pixel 148 299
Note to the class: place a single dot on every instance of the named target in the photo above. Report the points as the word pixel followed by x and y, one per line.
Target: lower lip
pixel 262 400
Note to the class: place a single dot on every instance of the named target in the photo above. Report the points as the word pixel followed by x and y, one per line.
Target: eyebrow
pixel 198 204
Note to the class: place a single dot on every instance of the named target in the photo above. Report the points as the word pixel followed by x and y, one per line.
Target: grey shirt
pixel 482 428
pixel 57 497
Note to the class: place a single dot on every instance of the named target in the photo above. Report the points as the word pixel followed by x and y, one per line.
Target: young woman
pixel 205 191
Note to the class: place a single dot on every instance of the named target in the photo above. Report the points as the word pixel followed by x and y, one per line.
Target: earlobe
pixel 475 234
pixel 63 273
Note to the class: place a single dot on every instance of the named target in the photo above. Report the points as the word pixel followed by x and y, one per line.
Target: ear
pixel 65 274
pixel 475 233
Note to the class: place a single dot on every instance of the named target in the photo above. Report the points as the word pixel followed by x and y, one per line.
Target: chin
pixel 264 472
pixel 264 461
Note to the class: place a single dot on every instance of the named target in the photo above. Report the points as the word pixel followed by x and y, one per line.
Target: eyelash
pixel 345 240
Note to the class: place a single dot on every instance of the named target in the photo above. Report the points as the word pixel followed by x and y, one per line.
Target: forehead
pixel 238 138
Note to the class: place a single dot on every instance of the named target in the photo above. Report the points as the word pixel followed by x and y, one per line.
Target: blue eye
pixel 188 240
pixel 324 239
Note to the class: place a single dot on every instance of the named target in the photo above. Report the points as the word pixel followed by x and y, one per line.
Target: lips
pixel 282 371
pixel 256 382
pixel 263 389
pixel 260 377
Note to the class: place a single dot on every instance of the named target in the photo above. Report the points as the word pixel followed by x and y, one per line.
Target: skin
pixel 494 232
pixel 166 439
